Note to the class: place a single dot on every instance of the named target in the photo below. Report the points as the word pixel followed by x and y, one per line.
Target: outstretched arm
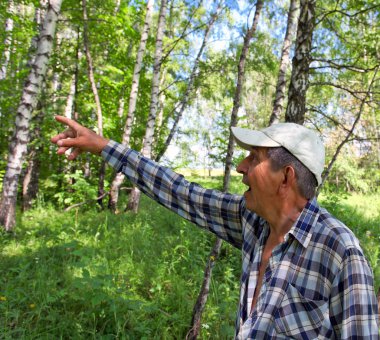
pixel 78 138
pixel 218 212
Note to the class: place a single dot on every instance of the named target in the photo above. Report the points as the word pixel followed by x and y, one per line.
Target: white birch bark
pixel 134 201
pixel 91 77
pixel 136 73
pixel 7 42
pixel 119 177
pixel 237 95
pixel 284 63
pixel 203 294
pixel 299 82
pixel 90 69
pixel 190 84
pixel 149 132
pixel 30 181
pixel 28 103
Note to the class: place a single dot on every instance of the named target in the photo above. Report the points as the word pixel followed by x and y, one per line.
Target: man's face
pixel 261 180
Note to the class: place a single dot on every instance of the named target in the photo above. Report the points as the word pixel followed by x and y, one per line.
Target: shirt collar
pixel 302 229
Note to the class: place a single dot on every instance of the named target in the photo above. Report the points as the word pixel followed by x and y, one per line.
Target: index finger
pixel 65 134
pixel 69 122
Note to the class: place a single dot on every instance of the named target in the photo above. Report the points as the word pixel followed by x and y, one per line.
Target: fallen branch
pixel 85 202
pixel 128 189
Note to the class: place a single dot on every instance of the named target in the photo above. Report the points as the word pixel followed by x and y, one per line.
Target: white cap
pixel 300 141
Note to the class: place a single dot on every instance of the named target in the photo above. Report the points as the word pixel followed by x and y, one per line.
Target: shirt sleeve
pixel 353 308
pixel 215 211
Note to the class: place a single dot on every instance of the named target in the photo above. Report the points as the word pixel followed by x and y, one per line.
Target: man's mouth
pixel 245 182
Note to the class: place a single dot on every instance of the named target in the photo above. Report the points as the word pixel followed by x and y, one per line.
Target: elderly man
pixel 304 274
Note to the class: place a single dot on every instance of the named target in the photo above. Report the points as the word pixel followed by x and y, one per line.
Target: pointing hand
pixel 79 138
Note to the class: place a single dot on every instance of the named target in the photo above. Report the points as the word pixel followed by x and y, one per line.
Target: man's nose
pixel 242 166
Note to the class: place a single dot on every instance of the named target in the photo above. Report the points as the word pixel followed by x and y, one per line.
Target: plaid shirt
pixel 318 284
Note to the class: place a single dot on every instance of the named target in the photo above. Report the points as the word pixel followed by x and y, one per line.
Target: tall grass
pixel 90 275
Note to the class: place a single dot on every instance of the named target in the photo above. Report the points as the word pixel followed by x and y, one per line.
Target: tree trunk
pixel 91 77
pixel 202 297
pixel 29 97
pixel 134 200
pixel 237 96
pixel 281 81
pixel 120 110
pixel 203 294
pixel 299 81
pixel 149 132
pixel 39 16
pixel 7 41
pixel 30 181
pixel 189 87
pixel 119 177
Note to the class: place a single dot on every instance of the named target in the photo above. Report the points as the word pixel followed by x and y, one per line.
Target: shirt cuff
pixel 115 154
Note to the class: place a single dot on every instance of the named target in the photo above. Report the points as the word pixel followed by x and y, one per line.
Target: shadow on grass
pixel 49 292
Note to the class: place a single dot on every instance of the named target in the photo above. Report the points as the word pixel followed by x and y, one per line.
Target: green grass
pixel 95 275
pixel 90 275
pixel 361 213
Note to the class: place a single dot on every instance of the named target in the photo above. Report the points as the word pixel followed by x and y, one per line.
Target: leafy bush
pixel 348 176
pixel 73 188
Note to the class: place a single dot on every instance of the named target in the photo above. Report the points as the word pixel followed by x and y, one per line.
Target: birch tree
pixel 7 41
pixel 237 95
pixel 134 198
pixel 202 297
pixel 70 107
pixel 299 82
pixel 119 177
pixel 99 114
pixel 284 62
pixel 31 177
pixel 30 181
pixel 185 99
pixel 21 135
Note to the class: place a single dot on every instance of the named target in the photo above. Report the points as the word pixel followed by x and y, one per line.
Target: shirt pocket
pixel 299 317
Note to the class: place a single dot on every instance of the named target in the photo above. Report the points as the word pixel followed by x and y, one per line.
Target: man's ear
pixel 288 178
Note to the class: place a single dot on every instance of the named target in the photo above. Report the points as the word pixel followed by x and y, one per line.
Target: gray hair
pixel 306 181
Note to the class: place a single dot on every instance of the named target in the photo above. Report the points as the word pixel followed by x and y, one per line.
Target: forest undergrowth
pixel 86 274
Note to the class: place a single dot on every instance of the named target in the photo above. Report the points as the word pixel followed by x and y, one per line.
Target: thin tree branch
pixel 353 15
pixel 341 87
pixel 332 64
pixel 345 140
pixel 85 202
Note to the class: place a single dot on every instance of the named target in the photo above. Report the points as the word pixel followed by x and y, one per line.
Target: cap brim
pixel 247 138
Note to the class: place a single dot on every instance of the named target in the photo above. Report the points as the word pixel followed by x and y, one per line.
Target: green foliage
pixel 85 274
pixel 95 275
pixel 79 275
pixel 67 189
pixel 361 214
pixel 347 175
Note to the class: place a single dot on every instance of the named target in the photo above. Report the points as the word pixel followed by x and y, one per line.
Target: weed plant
pixel 86 274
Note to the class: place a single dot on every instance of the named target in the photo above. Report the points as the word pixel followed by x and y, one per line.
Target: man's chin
pixel 248 201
